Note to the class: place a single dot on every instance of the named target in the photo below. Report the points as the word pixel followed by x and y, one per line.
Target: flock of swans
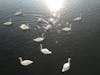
pixel 39 39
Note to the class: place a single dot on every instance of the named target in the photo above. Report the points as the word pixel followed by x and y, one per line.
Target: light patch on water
pixel 54 5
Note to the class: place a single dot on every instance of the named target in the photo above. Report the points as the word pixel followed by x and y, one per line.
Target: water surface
pixel 81 44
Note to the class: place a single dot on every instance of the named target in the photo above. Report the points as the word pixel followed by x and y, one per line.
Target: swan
pixel 42 20
pixel 39 39
pixel 25 62
pixel 78 18
pixel 67 28
pixel 52 21
pixel 47 27
pixel 8 23
pixel 66 66
pixel 45 50
pixel 24 27
pixel 18 13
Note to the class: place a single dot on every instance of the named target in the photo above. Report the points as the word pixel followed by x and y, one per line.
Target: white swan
pixel 18 13
pixel 78 18
pixel 8 23
pixel 24 27
pixel 66 66
pixel 25 62
pixel 67 28
pixel 39 39
pixel 67 23
pixel 52 21
pixel 47 27
pixel 39 19
pixel 45 50
pixel 42 20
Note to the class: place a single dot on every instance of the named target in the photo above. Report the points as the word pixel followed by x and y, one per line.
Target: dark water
pixel 81 44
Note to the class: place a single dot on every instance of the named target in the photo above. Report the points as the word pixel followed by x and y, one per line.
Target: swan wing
pixel 46 51
pixel 24 27
pixel 7 23
pixel 47 27
pixel 26 62
pixel 66 29
pixel 77 19
pixel 38 39
pixel 18 13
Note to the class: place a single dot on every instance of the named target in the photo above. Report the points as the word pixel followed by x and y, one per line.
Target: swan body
pixel 45 50
pixel 52 21
pixel 67 28
pixel 18 13
pixel 77 18
pixel 24 27
pixel 47 27
pixel 8 23
pixel 42 20
pixel 39 39
pixel 25 62
pixel 66 66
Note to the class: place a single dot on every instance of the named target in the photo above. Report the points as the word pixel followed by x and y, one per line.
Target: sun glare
pixel 54 5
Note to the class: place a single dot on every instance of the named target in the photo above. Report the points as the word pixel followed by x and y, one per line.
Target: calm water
pixel 81 44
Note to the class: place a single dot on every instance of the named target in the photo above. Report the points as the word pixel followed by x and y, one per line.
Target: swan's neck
pixel 20 59
pixel 70 26
pixel 43 35
pixel 69 59
pixel 41 46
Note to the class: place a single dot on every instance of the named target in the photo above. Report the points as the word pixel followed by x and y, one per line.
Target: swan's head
pixel 20 58
pixel 69 59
